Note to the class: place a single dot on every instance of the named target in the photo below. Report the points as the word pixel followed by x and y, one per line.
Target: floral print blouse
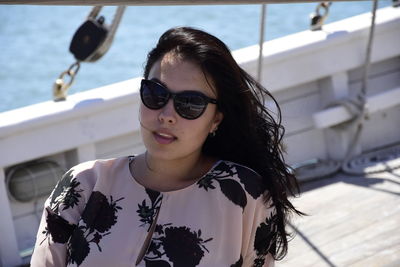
pixel 98 215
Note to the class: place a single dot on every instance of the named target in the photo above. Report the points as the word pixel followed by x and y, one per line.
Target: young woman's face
pixel 165 133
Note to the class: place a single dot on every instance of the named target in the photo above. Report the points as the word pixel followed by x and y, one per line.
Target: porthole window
pixel 32 180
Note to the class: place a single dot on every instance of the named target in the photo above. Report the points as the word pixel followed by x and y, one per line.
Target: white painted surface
pixel 76 126
pixel 86 152
pixel 308 56
pixel 381 129
pixel 339 114
pixel 9 255
pixel 128 144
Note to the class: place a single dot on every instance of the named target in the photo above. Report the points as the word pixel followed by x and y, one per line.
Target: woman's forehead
pixel 179 74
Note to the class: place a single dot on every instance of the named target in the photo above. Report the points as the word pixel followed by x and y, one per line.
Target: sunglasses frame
pixel 174 96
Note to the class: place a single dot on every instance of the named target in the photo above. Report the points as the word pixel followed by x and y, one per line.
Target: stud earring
pixel 213 133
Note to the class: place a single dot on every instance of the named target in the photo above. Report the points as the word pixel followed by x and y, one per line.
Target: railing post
pixel 9 253
pixel 337 138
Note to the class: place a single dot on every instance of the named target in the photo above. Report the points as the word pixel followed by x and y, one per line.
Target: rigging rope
pixel 361 98
pixel 382 160
pixel 261 41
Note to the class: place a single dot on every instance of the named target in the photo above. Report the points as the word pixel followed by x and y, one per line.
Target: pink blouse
pixel 98 215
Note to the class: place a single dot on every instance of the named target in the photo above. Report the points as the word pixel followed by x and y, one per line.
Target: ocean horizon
pixel 34 40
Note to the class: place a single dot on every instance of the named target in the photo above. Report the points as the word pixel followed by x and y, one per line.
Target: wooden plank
pixel 386 257
pixel 339 211
pixel 354 219
pixel 351 248
pixel 366 242
pixel 153 2
pixel 337 232
pixel 344 194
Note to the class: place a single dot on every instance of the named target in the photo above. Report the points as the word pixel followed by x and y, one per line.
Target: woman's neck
pixel 167 175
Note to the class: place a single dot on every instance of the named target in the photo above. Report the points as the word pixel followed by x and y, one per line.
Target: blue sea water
pixel 34 40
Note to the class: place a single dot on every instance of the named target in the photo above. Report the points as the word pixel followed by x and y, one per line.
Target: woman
pixel 211 188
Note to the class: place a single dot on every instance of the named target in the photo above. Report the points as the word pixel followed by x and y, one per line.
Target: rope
pixel 383 160
pixel 316 168
pixel 377 161
pixel 362 95
pixel 261 41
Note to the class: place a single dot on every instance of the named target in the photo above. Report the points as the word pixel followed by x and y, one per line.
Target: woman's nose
pixel 167 113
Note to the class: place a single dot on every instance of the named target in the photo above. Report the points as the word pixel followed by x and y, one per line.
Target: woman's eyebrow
pixel 163 84
pixel 160 82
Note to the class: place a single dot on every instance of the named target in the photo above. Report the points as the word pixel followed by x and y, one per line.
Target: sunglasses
pixel 188 104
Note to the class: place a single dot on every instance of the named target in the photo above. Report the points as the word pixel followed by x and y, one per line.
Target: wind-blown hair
pixel 248 134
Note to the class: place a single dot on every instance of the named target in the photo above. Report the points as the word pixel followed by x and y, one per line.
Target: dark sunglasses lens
pixel 153 95
pixel 190 106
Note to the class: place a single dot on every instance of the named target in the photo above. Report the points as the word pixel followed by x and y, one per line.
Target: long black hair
pixel 249 134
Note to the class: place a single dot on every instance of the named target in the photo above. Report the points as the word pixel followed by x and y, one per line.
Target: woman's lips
pixel 164 138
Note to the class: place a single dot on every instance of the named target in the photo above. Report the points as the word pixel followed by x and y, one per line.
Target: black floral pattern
pixel 259 262
pixel 206 182
pixel 147 212
pixel 57 227
pixel 78 247
pixel 183 247
pixel 156 263
pixel 265 240
pixel 64 183
pixel 239 263
pixel 171 245
pixel 66 192
pixel 97 219
pixel 252 181
pixel 232 189
pixel 100 214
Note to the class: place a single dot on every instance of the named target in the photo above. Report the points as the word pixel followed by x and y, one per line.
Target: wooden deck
pixel 353 221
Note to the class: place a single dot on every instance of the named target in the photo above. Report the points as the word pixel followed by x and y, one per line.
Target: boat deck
pixel 353 221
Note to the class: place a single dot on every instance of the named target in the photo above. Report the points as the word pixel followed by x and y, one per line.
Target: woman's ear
pixel 219 116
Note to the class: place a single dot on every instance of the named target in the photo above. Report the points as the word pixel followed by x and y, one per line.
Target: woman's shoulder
pixel 231 176
pixel 92 170
pixel 82 178
pixel 99 164
pixel 242 170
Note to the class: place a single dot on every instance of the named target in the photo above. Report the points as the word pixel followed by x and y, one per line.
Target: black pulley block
pixel 89 36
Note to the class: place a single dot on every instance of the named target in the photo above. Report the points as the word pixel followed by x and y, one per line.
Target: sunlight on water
pixel 34 40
